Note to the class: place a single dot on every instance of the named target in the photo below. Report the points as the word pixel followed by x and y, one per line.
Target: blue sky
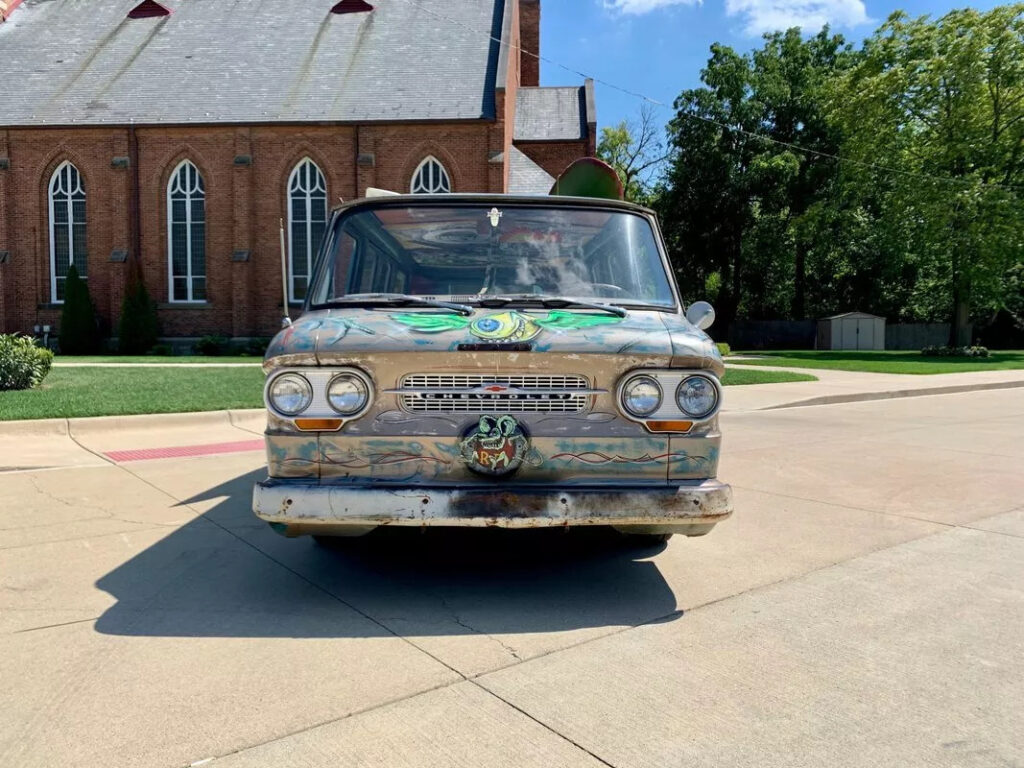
pixel 658 47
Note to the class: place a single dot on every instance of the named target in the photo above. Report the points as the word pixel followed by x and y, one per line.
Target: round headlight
pixel 641 395
pixel 697 396
pixel 290 393
pixel 347 394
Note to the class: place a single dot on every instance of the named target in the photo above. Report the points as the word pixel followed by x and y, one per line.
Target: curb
pixel 93 424
pixel 237 418
pixel 859 397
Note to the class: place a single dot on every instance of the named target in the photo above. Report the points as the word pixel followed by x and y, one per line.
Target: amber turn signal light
pixel 669 426
pixel 319 425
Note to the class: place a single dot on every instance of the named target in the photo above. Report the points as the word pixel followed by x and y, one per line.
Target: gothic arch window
pixel 307 219
pixel 430 177
pixel 186 234
pixel 67 228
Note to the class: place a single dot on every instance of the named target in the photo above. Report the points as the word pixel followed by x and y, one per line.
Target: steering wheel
pixel 608 287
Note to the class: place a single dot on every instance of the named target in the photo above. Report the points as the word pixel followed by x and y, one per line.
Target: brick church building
pixel 181 132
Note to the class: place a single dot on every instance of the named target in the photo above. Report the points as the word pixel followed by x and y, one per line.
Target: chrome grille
pixel 466 393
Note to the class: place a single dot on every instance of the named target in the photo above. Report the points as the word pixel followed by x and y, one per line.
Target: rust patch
pixel 500 504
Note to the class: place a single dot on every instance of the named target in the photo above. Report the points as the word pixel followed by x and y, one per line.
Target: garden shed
pixel 851 330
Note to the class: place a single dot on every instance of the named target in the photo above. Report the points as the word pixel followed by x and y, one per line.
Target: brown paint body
pixel 396 465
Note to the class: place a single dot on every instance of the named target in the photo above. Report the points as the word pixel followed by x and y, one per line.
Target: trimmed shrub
pixel 23 365
pixel 78 334
pixel 955 351
pixel 138 329
pixel 211 346
pixel 251 348
pixel 723 348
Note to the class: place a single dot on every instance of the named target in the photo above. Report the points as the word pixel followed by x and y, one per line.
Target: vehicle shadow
pixel 226 574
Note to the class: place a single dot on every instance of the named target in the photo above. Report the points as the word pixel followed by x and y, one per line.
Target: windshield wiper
pixel 393 299
pixel 547 301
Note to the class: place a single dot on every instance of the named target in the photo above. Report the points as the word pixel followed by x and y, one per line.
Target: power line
pixel 693 116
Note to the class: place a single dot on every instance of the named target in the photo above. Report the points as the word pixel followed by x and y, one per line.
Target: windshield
pixel 480 253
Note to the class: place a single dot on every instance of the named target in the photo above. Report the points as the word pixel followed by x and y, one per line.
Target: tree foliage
pixel 740 200
pixel 635 151
pixel 807 177
pixel 944 102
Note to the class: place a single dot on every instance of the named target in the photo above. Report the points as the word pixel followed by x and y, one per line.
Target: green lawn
pixel 735 377
pixel 155 359
pixel 73 392
pixel 884 362
pixel 69 392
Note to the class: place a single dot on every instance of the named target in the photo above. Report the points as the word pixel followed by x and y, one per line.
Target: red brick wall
pixel 243 206
pixel 529 31
pixel 554 156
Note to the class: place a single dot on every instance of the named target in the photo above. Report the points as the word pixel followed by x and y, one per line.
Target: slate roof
pixel 211 61
pixel 551 114
pixel 525 177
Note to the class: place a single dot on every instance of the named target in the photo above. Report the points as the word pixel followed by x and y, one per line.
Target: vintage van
pixel 491 360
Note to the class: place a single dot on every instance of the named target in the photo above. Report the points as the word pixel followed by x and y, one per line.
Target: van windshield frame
pixel 479 252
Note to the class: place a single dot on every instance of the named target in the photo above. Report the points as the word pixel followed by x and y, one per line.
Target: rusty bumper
pixel 304 507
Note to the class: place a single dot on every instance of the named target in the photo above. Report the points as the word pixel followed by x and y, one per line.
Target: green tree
pixel 740 200
pixel 137 329
pixel 789 77
pixel 942 101
pixel 636 153
pixel 79 334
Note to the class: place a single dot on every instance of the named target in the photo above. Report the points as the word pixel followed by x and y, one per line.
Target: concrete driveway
pixel 863 607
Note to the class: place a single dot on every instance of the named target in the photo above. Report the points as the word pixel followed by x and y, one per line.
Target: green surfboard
pixel 588 177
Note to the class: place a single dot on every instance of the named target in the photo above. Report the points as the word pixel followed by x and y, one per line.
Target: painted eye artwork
pixel 505 326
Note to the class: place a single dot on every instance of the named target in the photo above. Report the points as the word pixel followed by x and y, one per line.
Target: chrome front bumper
pixel 299 507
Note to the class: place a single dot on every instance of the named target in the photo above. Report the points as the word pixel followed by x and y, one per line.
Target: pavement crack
pixel 458 620
pixel 54 626
pixel 63 502
pixel 543 725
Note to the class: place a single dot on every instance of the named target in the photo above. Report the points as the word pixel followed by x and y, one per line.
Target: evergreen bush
pixel 211 346
pixel 138 329
pixel 79 334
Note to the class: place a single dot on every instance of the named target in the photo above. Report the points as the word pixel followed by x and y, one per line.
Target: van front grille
pixel 489 393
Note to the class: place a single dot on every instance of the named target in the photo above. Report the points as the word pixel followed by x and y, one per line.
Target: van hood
pixel 340 336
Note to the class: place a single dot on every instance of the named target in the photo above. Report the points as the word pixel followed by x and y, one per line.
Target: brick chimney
pixel 529 41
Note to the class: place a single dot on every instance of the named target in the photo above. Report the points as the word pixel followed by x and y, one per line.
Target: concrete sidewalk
pixel 854 386
pixel 862 608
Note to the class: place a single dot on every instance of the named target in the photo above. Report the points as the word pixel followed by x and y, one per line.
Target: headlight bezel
pixel 638 379
pixel 669 380
pixel 714 392
pixel 319 380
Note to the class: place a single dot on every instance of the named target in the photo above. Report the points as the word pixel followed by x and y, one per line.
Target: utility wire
pixel 693 116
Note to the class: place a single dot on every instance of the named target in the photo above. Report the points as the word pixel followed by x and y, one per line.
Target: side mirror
pixel 701 314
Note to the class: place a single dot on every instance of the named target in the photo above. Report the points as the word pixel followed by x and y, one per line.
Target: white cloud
pixel 638 7
pixel 761 16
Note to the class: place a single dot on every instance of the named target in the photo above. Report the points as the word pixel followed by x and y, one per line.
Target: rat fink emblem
pixel 497 446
